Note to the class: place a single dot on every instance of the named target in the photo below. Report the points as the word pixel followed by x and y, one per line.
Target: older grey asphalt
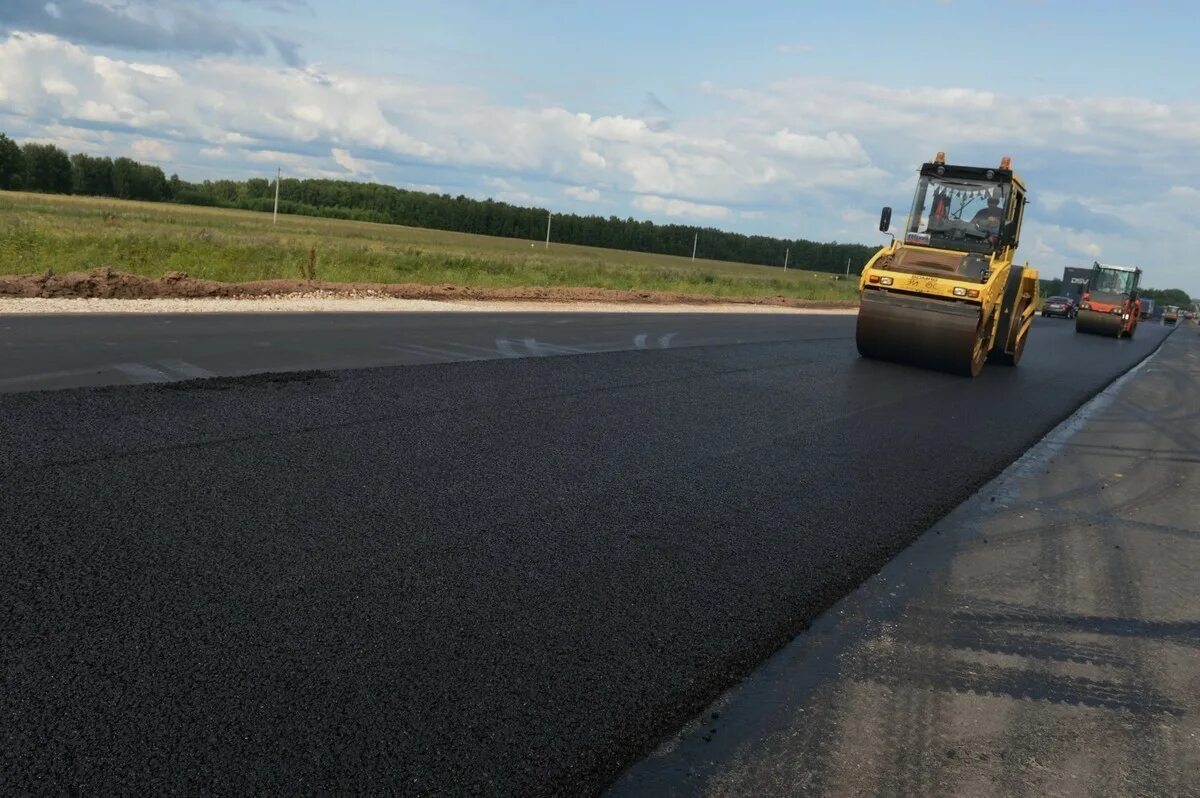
pixel 495 577
pixel 40 352
pixel 1042 639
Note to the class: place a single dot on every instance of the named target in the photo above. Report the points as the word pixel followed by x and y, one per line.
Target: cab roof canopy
pixel 1116 268
pixel 998 174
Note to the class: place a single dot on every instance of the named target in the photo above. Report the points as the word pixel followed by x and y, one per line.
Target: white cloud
pixel 59 87
pixel 582 193
pixel 793 48
pixel 224 103
pixel 156 71
pixel 831 146
pixel 348 162
pixel 151 150
pixel 1080 243
pixel 675 207
pixel 214 152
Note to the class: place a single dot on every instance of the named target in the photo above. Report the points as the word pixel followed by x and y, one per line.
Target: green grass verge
pixel 64 234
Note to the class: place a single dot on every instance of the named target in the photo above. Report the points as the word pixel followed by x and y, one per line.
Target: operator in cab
pixel 991 216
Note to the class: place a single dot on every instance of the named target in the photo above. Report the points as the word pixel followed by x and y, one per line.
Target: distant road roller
pixel 1110 305
pixel 947 295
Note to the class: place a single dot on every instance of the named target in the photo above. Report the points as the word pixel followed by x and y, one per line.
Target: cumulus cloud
pixel 1075 215
pixel 676 207
pixel 841 146
pixel 151 150
pixel 344 159
pixel 582 193
pixel 310 113
pixel 189 26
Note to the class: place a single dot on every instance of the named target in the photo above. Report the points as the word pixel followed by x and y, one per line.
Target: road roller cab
pixel 1110 304
pixel 946 294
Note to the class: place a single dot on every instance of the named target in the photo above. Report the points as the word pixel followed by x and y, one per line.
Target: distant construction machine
pixel 948 295
pixel 1110 305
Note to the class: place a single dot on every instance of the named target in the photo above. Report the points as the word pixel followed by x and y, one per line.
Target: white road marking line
pixel 21 379
pixel 190 370
pixel 505 347
pixel 140 372
pixel 639 341
pixel 443 353
pixel 408 351
pixel 491 353
pixel 532 347
pixel 664 341
pixel 541 349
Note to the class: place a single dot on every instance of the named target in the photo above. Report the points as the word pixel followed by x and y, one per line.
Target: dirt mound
pixel 108 284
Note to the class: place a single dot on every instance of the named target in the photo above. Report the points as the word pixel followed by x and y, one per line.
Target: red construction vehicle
pixel 1110 305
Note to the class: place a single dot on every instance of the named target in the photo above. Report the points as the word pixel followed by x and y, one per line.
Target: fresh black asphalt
pixel 506 577
pixel 40 352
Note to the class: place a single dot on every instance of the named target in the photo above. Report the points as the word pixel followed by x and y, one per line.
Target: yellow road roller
pixel 946 295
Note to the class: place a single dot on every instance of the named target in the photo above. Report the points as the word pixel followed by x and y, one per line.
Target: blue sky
pixel 796 119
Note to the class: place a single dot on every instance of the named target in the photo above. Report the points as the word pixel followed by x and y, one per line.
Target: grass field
pixel 65 234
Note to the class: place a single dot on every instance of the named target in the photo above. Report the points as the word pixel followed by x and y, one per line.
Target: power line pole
pixel 695 241
pixel 847 267
pixel 548 218
pixel 275 216
pixel 787 252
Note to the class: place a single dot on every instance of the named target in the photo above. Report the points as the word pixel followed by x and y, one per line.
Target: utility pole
pixel 695 241
pixel 275 216
pixel 548 218
pixel 847 267
pixel 786 253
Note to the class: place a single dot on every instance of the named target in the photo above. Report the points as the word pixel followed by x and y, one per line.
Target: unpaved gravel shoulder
pixel 310 303
pixel 106 291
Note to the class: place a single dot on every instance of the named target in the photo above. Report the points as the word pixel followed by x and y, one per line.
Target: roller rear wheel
pixel 1010 337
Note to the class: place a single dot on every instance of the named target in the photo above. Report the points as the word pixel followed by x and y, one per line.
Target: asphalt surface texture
pixel 1041 639
pixel 41 352
pixel 501 577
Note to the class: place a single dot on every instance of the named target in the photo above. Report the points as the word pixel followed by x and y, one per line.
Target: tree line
pixel 47 168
